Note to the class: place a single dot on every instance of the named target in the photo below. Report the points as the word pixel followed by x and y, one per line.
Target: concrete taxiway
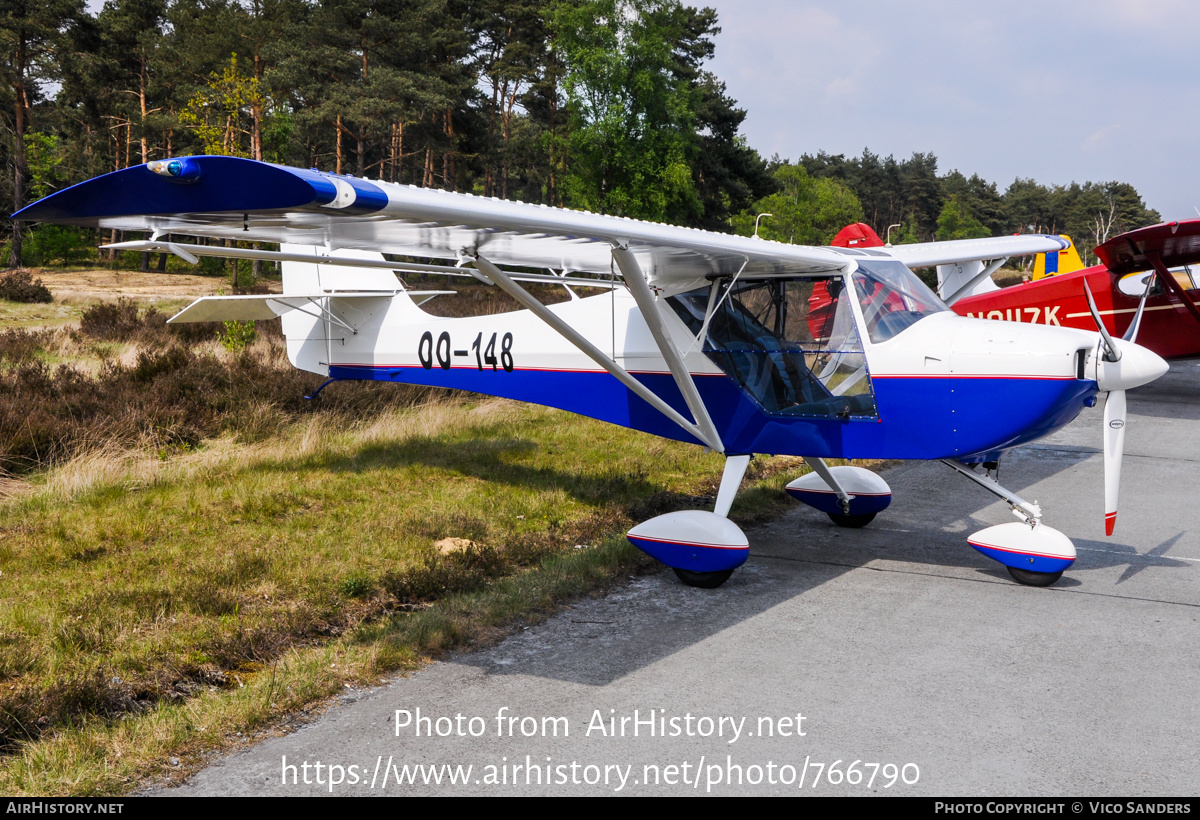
pixel 889 660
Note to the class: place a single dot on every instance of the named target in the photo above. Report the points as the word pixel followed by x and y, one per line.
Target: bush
pixel 237 335
pixel 212 266
pixel 443 575
pixel 111 321
pixel 20 286
pixel 18 345
pixel 170 397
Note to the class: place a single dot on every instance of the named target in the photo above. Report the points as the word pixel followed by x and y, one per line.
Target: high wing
pixel 1174 243
pixel 246 200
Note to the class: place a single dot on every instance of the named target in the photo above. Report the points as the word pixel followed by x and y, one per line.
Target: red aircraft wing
pixel 1176 243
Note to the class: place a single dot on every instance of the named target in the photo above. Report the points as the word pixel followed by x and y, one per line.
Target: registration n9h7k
pixel 732 343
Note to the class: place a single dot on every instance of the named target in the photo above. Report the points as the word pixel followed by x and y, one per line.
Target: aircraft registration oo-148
pixel 737 344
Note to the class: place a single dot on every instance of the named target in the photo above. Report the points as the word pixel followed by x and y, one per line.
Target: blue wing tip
pixel 207 184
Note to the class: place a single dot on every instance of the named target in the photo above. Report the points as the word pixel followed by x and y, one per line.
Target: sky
pixel 1057 91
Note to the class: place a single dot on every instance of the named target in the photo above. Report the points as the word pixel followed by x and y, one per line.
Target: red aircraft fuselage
pixel 1168 326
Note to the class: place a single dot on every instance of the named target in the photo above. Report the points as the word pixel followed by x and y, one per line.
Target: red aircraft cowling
pixel 1170 326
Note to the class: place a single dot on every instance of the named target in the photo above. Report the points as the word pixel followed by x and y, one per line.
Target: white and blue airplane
pixel 740 345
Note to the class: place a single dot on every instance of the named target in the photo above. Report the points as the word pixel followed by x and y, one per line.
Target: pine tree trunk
pixel 396 155
pixel 338 166
pixel 20 166
pixel 256 112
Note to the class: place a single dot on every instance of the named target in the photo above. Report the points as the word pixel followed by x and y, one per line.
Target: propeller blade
pixel 1136 324
pixel 1114 447
pixel 1114 353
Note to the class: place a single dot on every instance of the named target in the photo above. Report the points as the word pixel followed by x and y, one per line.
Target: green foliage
pixel 632 137
pixel 44 155
pixel 218 112
pixel 957 222
pixel 1088 213
pixel 237 335
pixel 597 104
pixel 908 232
pixel 805 211
pixel 277 136
pixel 357 585
pixel 48 244
pixel 212 266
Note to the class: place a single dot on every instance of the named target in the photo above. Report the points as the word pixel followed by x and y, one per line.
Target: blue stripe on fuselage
pixel 915 419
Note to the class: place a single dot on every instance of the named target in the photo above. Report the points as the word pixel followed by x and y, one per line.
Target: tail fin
pixel 1064 261
pixel 306 277
pixel 857 235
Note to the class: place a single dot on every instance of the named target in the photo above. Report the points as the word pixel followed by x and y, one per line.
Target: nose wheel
pixel 1034 555
pixel 1033 579
pixel 703 580
pixel 853 522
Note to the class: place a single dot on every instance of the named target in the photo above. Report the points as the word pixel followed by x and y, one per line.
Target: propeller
pixel 1136 325
pixel 1123 365
pixel 1114 448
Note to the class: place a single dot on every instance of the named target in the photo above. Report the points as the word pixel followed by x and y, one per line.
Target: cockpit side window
pixel 892 298
pixel 790 344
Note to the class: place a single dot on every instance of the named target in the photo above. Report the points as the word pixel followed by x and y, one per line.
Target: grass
pixel 165 744
pixel 27 316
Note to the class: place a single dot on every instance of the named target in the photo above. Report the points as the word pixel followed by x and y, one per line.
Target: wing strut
pixel 503 281
pixel 188 252
pixel 822 469
pixel 651 312
pixel 988 270
pixel 1170 284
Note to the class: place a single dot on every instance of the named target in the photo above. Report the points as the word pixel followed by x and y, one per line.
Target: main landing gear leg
pixel 850 496
pixel 1034 554
pixel 704 548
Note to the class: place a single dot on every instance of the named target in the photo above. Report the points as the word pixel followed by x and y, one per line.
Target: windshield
pixel 790 344
pixel 892 297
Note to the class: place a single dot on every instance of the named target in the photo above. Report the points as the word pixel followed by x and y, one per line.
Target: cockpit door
pixel 791 344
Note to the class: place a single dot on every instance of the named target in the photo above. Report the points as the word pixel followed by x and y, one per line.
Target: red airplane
pixel 1158 255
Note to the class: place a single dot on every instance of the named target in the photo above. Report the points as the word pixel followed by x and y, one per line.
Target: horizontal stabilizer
pixel 252 308
pixel 927 254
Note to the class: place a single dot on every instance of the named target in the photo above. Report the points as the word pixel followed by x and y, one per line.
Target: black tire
pixel 1034 579
pixel 851 521
pixel 703 580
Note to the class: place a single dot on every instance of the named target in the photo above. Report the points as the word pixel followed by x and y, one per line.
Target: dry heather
pixel 125 379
